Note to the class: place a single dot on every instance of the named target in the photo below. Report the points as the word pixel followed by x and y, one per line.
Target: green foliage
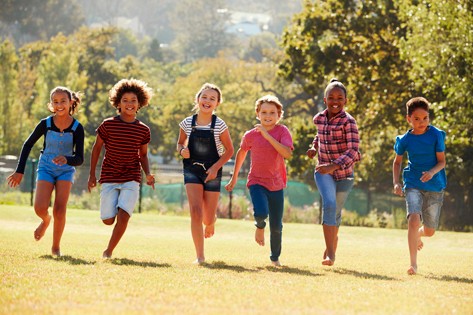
pixel 41 19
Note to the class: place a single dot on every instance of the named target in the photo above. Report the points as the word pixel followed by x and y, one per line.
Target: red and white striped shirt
pixel 337 142
pixel 122 141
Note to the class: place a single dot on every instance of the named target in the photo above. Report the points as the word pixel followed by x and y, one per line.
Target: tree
pixel 8 96
pixel 200 28
pixel 357 42
pixel 439 49
pixel 32 20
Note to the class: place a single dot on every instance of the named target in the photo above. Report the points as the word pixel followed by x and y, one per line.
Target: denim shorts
pixel 197 175
pixel 52 173
pixel 425 203
pixel 118 195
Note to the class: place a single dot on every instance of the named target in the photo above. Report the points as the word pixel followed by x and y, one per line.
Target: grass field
pixel 152 270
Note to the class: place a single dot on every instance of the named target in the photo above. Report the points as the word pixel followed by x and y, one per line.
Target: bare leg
pixel 120 227
pixel 195 196
pixel 413 238
pixel 63 189
pixel 259 236
pixel 209 215
pixel 43 194
pixel 330 235
pixel 334 247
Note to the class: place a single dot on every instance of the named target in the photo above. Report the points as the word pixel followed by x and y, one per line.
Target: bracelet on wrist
pixel 180 151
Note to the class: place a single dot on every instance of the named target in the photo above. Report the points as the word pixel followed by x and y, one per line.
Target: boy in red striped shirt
pixel 126 151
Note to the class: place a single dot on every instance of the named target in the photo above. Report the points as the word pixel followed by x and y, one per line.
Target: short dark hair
pixel 415 103
pixel 335 83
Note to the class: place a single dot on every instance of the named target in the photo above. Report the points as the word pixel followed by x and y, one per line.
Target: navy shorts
pixel 196 174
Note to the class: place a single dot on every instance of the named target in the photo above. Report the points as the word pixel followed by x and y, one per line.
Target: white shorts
pixel 118 195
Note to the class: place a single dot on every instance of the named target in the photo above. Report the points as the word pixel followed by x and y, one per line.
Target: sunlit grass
pixel 152 270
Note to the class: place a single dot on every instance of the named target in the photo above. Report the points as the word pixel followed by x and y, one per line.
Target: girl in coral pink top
pixel 270 143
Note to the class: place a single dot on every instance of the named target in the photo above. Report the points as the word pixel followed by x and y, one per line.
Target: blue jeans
pixel 334 194
pixel 269 203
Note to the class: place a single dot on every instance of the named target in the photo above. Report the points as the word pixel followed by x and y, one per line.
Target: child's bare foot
pixel 41 229
pixel 412 270
pixel 276 263
pixel 420 244
pixel 106 255
pixel 199 261
pixel 259 236
pixel 55 252
pixel 328 261
pixel 209 230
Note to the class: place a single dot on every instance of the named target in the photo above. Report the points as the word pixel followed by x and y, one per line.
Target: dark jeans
pixel 269 203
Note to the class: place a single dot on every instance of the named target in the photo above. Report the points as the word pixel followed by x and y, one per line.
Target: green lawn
pixel 152 270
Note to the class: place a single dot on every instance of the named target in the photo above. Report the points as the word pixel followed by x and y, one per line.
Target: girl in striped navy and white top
pixel 205 145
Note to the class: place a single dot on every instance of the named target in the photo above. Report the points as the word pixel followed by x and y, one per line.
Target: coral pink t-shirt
pixel 267 165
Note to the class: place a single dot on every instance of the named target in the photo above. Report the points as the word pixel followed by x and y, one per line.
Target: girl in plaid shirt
pixel 336 143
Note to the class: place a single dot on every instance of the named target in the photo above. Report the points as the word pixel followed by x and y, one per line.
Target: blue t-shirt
pixel 421 155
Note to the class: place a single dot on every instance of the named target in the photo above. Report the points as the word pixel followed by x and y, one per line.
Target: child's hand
pixel 398 190
pixel 150 180
pixel 14 179
pixel 426 176
pixel 92 182
pixel 211 174
pixel 262 130
pixel 326 168
pixel 185 153
pixel 60 160
pixel 311 153
pixel 230 185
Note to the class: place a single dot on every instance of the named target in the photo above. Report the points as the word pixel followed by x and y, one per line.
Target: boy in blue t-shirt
pixel 424 176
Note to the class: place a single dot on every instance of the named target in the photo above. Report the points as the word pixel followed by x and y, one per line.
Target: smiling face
pixel 419 120
pixel 268 115
pixel 208 101
pixel 128 105
pixel 60 103
pixel 335 99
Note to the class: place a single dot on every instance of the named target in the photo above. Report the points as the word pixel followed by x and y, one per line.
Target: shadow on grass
pixel 130 262
pixel 359 274
pixel 292 270
pixel 449 278
pixel 224 266
pixel 69 259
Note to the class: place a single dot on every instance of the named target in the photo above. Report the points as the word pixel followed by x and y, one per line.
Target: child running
pixel 63 148
pixel 424 176
pixel 205 145
pixel 336 143
pixel 270 143
pixel 126 151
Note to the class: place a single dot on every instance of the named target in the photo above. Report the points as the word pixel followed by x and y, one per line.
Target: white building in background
pixel 246 24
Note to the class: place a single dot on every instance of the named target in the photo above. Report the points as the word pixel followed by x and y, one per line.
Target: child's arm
pixel 94 158
pixel 426 176
pixel 150 180
pixel 312 151
pixel 397 165
pixel 285 151
pixel 227 155
pixel 239 159
pixel 181 145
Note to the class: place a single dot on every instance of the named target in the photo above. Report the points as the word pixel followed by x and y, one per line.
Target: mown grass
pixel 152 270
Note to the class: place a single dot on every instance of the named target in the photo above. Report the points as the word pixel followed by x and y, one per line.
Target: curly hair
pixel 140 88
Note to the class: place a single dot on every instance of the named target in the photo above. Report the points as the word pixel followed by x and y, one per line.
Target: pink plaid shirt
pixel 337 142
